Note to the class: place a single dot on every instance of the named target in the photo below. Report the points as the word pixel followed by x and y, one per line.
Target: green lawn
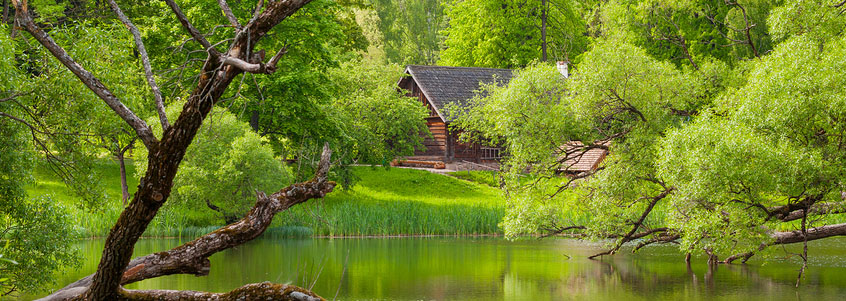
pixel 382 202
pixel 486 177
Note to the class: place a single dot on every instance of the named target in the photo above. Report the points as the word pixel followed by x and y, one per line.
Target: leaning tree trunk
pixel 192 257
pixel 165 155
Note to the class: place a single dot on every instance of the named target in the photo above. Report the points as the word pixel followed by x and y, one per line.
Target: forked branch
pixel 633 234
pixel 144 132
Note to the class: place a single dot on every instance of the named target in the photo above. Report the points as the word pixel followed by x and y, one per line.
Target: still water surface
pixel 494 269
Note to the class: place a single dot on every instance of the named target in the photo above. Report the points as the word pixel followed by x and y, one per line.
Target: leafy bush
pixel 223 168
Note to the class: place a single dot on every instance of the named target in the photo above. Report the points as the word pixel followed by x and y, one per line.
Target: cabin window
pixel 490 153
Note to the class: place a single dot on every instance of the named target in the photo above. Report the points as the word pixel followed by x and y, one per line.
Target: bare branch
pixel 555 230
pixel 191 30
pixel 229 15
pixel 145 59
pixel 821 232
pixel 632 234
pixel 14 96
pixel 748 28
pixel 817 209
pixel 732 258
pixel 271 65
pixel 657 239
pixel 259 5
pixel 141 128
pixel 268 68
pixel 796 236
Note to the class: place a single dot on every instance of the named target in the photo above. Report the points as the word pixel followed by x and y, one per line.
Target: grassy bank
pixel 485 177
pixel 383 202
pixel 402 202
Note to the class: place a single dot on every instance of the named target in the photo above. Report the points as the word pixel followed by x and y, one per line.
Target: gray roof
pixel 443 85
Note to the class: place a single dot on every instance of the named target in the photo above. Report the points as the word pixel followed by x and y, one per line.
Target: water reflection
pixel 493 269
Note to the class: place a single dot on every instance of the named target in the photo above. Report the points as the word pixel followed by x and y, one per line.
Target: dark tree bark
pixel 5 11
pixel 124 188
pixel 166 154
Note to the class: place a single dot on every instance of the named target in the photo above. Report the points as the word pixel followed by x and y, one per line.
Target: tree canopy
pixel 724 150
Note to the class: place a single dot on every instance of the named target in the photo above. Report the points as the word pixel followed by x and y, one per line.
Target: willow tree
pixel 722 161
pixel 221 66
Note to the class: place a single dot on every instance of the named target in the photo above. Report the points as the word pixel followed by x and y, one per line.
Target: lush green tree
pixel 619 99
pixel 689 32
pixel 409 30
pixel 34 232
pixel 508 33
pixel 818 19
pixel 377 121
pixel 222 169
pixel 773 153
pixel 727 158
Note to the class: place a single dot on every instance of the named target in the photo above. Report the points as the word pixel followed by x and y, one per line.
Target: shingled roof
pixel 443 85
pixel 582 162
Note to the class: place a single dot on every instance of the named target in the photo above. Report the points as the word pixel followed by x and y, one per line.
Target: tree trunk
pixel 254 121
pixel 5 11
pixel 192 257
pixel 124 188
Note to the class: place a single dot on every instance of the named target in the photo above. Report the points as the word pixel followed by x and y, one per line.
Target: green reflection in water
pixel 494 269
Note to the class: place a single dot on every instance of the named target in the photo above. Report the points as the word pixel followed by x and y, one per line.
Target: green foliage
pixel 687 32
pixel 225 165
pixel 34 233
pixel 74 125
pixel 376 121
pixel 518 116
pixel 408 30
pixel 705 152
pixel 290 108
pixel 619 97
pixel 816 19
pixel 778 144
pixel 36 241
pixel 507 33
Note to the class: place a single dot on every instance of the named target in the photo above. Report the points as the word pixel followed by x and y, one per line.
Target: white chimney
pixel 562 68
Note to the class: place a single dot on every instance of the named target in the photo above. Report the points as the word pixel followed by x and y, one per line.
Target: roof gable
pixel 443 85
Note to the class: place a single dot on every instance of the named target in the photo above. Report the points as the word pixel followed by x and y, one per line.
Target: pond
pixel 484 268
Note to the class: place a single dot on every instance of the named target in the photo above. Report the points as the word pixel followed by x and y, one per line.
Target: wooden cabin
pixel 437 86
